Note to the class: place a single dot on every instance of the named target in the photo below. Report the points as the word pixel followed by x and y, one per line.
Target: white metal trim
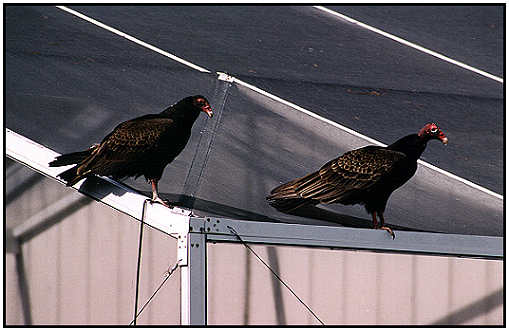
pixel 174 222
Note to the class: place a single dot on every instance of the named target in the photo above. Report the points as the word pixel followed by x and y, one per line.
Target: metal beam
pixel 218 230
pixel 193 282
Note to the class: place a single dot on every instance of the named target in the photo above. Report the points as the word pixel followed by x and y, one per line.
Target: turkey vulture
pixel 364 176
pixel 141 146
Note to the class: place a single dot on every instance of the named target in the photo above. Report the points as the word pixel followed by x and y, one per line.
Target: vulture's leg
pixel 375 221
pixel 155 195
pixel 383 227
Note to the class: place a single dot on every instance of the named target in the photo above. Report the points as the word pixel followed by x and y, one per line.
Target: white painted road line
pixel 410 44
pixel 305 111
pixel 272 96
pixel 133 39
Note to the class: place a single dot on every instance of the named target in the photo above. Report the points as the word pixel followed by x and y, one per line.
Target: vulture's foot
pixel 386 228
pixel 165 203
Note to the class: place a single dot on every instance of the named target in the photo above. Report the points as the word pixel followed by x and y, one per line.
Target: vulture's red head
pixel 202 103
pixel 432 131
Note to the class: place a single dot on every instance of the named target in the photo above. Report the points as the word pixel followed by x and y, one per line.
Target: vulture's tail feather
pixel 287 197
pixel 289 205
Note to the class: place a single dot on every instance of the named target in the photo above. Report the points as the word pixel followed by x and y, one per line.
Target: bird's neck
pixel 181 114
pixel 411 145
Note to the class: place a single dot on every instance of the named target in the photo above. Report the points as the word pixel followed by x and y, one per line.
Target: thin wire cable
pixel 138 267
pixel 274 273
pixel 169 272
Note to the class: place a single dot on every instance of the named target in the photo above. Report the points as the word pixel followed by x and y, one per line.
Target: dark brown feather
pixel 141 146
pixel 342 180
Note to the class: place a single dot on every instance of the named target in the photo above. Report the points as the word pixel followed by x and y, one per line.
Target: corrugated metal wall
pixel 351 287
pixel 81 269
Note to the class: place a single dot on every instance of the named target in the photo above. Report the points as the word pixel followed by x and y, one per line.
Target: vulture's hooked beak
pixel 443 138
pixel 208 110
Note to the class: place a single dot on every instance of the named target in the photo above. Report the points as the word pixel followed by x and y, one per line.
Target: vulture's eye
pixel 434 130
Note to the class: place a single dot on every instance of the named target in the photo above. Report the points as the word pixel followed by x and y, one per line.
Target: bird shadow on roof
pixel 217 209
pixel 342 219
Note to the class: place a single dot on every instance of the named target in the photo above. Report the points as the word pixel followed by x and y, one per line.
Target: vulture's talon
pixel 388 230
pixel 165 203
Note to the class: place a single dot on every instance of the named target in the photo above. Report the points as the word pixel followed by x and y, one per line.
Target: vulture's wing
pixel 131 141
pixel 354 171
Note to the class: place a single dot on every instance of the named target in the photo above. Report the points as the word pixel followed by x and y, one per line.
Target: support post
pixel 193 282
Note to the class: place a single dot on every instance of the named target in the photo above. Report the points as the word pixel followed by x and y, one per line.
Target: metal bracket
pixel 225 77
pixel 193 276
pixel 175 222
